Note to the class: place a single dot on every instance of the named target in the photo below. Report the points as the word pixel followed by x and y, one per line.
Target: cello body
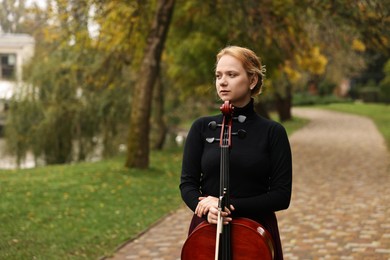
pixel 249 240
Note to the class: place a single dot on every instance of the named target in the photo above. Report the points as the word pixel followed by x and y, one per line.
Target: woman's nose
pixel 222 81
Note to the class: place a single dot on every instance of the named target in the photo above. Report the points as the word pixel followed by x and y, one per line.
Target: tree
pixel 76 86
pixel 385 83
pixel 138 139
pixel 88 81
pixel 12 14
pixel 273 29
pixel 279 31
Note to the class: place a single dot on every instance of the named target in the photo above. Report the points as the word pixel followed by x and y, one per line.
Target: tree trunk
pixel 159 123
pixel 283 106
pixel 138 139
pixel 283 103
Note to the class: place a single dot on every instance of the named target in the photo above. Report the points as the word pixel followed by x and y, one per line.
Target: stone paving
pixel 340 207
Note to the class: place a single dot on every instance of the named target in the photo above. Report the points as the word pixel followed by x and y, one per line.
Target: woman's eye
pixel 217 76
pixel 232 75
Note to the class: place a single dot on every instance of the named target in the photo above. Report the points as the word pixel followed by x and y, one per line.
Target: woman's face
pixel 232 81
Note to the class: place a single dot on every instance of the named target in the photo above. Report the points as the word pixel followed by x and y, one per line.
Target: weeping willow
pixel 66 112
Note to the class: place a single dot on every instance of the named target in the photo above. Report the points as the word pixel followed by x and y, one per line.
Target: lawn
pixel 86 210
pixel 83 211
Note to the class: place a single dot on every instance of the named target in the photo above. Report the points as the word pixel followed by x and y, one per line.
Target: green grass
pixel 292 125
pixel 86 210
pixel 379 113
pixel 83 211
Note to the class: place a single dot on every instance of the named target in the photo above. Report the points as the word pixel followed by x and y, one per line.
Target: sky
pixel 41 3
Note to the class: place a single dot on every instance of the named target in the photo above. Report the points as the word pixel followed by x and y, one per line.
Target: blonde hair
pixel 250 61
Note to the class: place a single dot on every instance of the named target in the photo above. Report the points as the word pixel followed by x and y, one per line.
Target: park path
pixel 340 207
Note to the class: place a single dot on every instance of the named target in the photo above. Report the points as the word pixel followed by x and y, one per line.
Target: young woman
pixel 260 164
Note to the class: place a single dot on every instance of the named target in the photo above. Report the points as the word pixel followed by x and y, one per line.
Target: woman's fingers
pixel 205 203
pixel 199 210
pixel 212 216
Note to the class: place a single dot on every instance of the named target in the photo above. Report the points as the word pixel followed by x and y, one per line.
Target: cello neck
pixel 224 240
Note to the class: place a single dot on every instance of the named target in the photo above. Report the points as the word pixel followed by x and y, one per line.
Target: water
pixel 9 162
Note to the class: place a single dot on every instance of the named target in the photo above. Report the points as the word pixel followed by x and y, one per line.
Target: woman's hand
pixel 212 216
pixel 209 205
pixel 204 205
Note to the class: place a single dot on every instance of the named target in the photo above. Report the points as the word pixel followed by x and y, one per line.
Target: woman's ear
pixel 253 81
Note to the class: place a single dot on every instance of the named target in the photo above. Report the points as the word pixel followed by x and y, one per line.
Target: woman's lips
pixel 224 92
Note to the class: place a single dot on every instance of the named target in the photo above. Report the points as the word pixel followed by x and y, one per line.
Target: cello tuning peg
pixel 240 118
pixel 213 125
pixel 211 140
pixel 240 133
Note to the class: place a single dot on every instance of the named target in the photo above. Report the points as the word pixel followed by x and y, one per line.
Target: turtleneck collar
pixel 247 110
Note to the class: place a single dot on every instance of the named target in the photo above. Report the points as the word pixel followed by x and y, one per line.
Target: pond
pixel 9 162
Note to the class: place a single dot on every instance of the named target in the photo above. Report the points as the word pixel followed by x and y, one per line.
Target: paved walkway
pixel 340 207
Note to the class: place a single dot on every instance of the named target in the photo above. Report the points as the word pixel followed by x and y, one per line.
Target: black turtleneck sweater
pixel 260 165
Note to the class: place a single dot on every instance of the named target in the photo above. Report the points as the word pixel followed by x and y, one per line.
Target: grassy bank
pixel 379 113
pixel 84 211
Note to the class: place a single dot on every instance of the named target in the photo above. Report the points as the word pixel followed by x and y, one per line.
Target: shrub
pixel 305 99
pixel 369 94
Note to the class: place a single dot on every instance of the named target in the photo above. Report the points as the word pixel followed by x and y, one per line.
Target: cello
pixel 242 238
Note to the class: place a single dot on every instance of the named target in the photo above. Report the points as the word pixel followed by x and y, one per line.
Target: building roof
pixel 15 40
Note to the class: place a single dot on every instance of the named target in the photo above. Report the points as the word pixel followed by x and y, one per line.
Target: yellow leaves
pixel 358 45
pixel 385 41
pixel 290 30
pixel 90 188
pixel 31 215
pixel 51 35
pixel 291 73
pixel 82 213
pixel 113 30
pixel 111 86
pixel 312 61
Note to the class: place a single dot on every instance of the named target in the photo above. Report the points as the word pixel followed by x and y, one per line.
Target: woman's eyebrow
pixel 227 71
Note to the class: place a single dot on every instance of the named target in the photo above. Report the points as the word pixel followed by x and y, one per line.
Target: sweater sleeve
pixel 191 166
pixel 280 180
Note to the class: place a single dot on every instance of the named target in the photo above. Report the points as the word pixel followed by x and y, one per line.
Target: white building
pixel 15 51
